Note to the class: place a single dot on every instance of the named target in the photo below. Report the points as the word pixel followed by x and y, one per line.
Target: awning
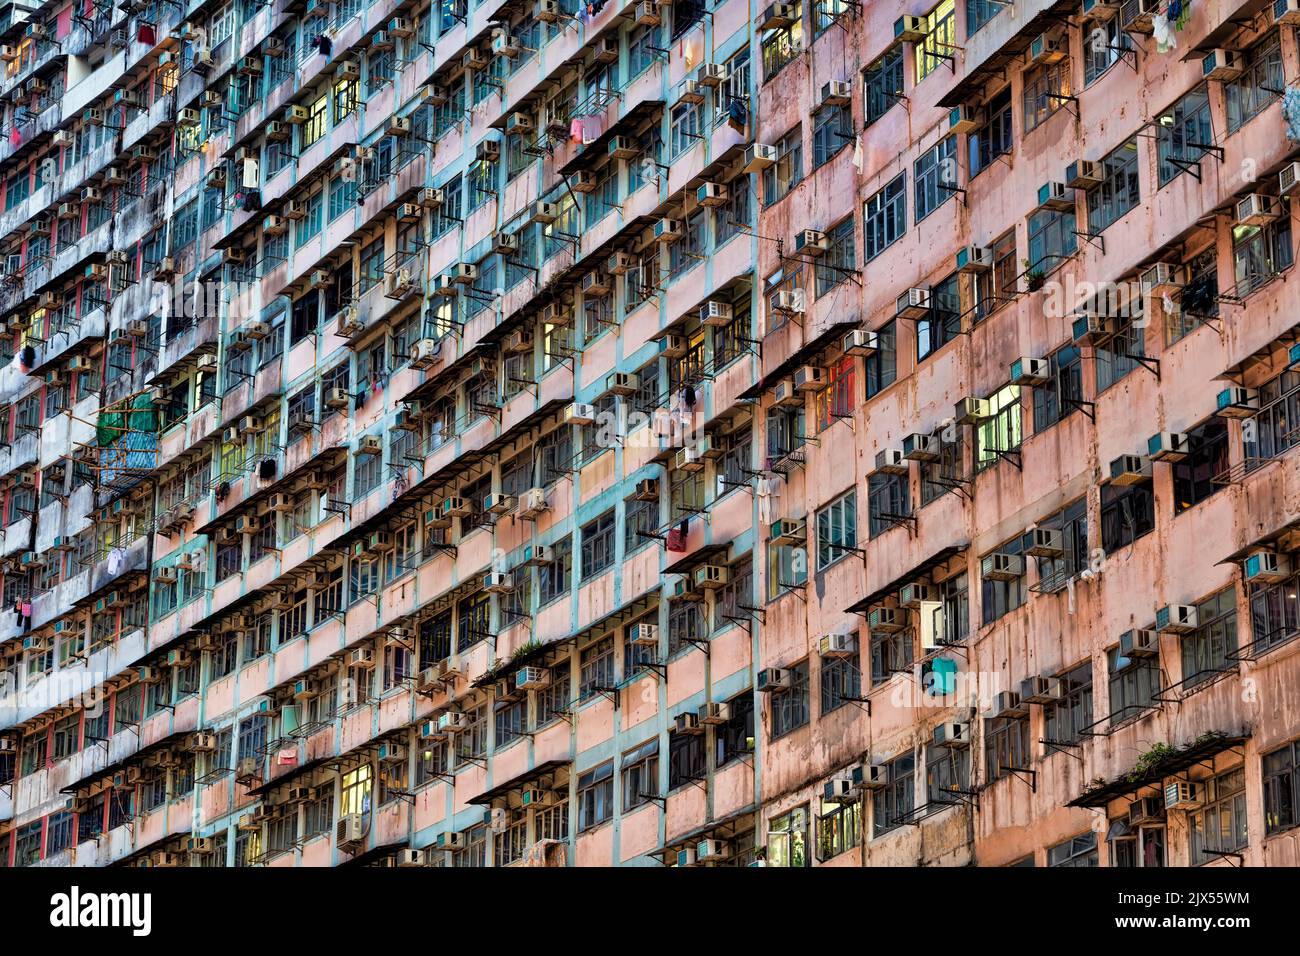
pixel 1201 749
pixel 1231 22
pixel 93 778
pixel 539 774
pixel 1269 360
pixel 288 777
pixel 1285 538
pixel 920 571
pixel 800 357
pixel 1010 52
pixel 725 828
pixel 378 853
pixel 700 555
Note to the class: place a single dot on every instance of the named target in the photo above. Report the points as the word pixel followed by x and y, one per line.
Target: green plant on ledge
pixel 1034 278
pixel 1150 759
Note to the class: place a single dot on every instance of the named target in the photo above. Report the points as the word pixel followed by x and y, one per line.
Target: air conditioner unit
pixel 1055 196
pixel 1008 704
pixel 1000 566
pixel 687 723
pixel 971 411
pixel 913 304
pixel 453 722
pixel 1168 446
pixel 714 714
pixel 955 734
pixel 810 242
pixel 535 798
pixel 772 679
pixel 712 74
pixel 1237 402
pixel 1143 809
pixel 779 16
pixel 498 582
pixel 1030 371
pixel 424 353
pixel 890 461
pixel 583 181
pixel 1286 11
pixel 963 119
pixel 974 259
pixel 532 504
pixel 547 11
pixel 350 830
pixel 1176 619
pixel 1182 795
pixel 621 383
pixel 1040 690
pixel 532 678
pixel 711 194
pixel 1267 567
pixel 860 342
pixel 580 413
pixel 1222 65
pixel 362 658
pixel 787 301
pixel 1257 209
pixel 596 283
pixel 1093 329
pixel 488 151
pixel 450 841
pixel 809 378
pixel 1084 174
pixel 886 620
pixel 788 532
pixel 915 593
pixel 758 157
pixel 1101 9
pixel 1043 543
pixel 1130 469
pixel 910 29
pixel 919 447
pixel 838 645
pixel 644 635
pixel 1045 49
pixel 710 577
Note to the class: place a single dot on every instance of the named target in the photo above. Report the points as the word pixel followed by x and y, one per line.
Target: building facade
pixel 698 433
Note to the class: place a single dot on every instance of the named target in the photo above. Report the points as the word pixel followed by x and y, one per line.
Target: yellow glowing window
pixel 940 41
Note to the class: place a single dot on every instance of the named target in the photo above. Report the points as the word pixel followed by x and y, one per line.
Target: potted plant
pixel 1034 278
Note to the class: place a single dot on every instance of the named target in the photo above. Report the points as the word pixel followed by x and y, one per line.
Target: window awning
pixel 921 570
pixel 88 781
pixel 1011 51
pixel 801 356
pixel 727 827
pixel 1203 748
pixel 545 773
pixel 596 150
pixel 378 853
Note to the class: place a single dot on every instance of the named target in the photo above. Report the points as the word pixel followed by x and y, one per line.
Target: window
pixel 838 262
pixel 1065 720
pixel 996 287
pixel 1183 133
pixel 787 837
pixel 885 217
pixel 1078 851
pixel 596 668
pixel 640 770
pixel 683 132
pixel 511 718
pixel 1002 597
pixel 1127 513
pixel 1206 650
pixel 841 682
pixel 889 502
pixel 940 43
pixel 1000 434
pixel 1281 772
pixel 837 400
pixel 790 706
pixel 1118 192
pixel 782 45
pixel 1199 299
pixel 1051 239
pixel 787 172
pixel 1047 88
pixel 1134 682
pixel 597 545
pixel 839 829
pixel 832 131
pixel 595 796
pixel 686 759
pixel 882 84
pixel 947 773
pixel 1261 252
pixel 980 12
pixel 891 804
pixel 994 138
pixel 1260 84
pixel 1221 826
pixel 1119 355
pixel 553 578
pixel 891 653
pixel 735 738
pixel 1104 43
pixel 837 530
pixel 1072 522
pixel 935 169
pixel 1062 393
pixel 1006 746
pixel 1207 460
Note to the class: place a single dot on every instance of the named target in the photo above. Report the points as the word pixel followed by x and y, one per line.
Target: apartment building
pixel 701 433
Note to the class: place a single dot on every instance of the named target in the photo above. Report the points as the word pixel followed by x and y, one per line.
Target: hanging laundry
pixel 1291 112
pixel 763 492
pixel 675 540
pixel 148 34
pixel 857 152
pixel 737 115
pixel 688 396
pixel 1164 35
pixel 575 130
